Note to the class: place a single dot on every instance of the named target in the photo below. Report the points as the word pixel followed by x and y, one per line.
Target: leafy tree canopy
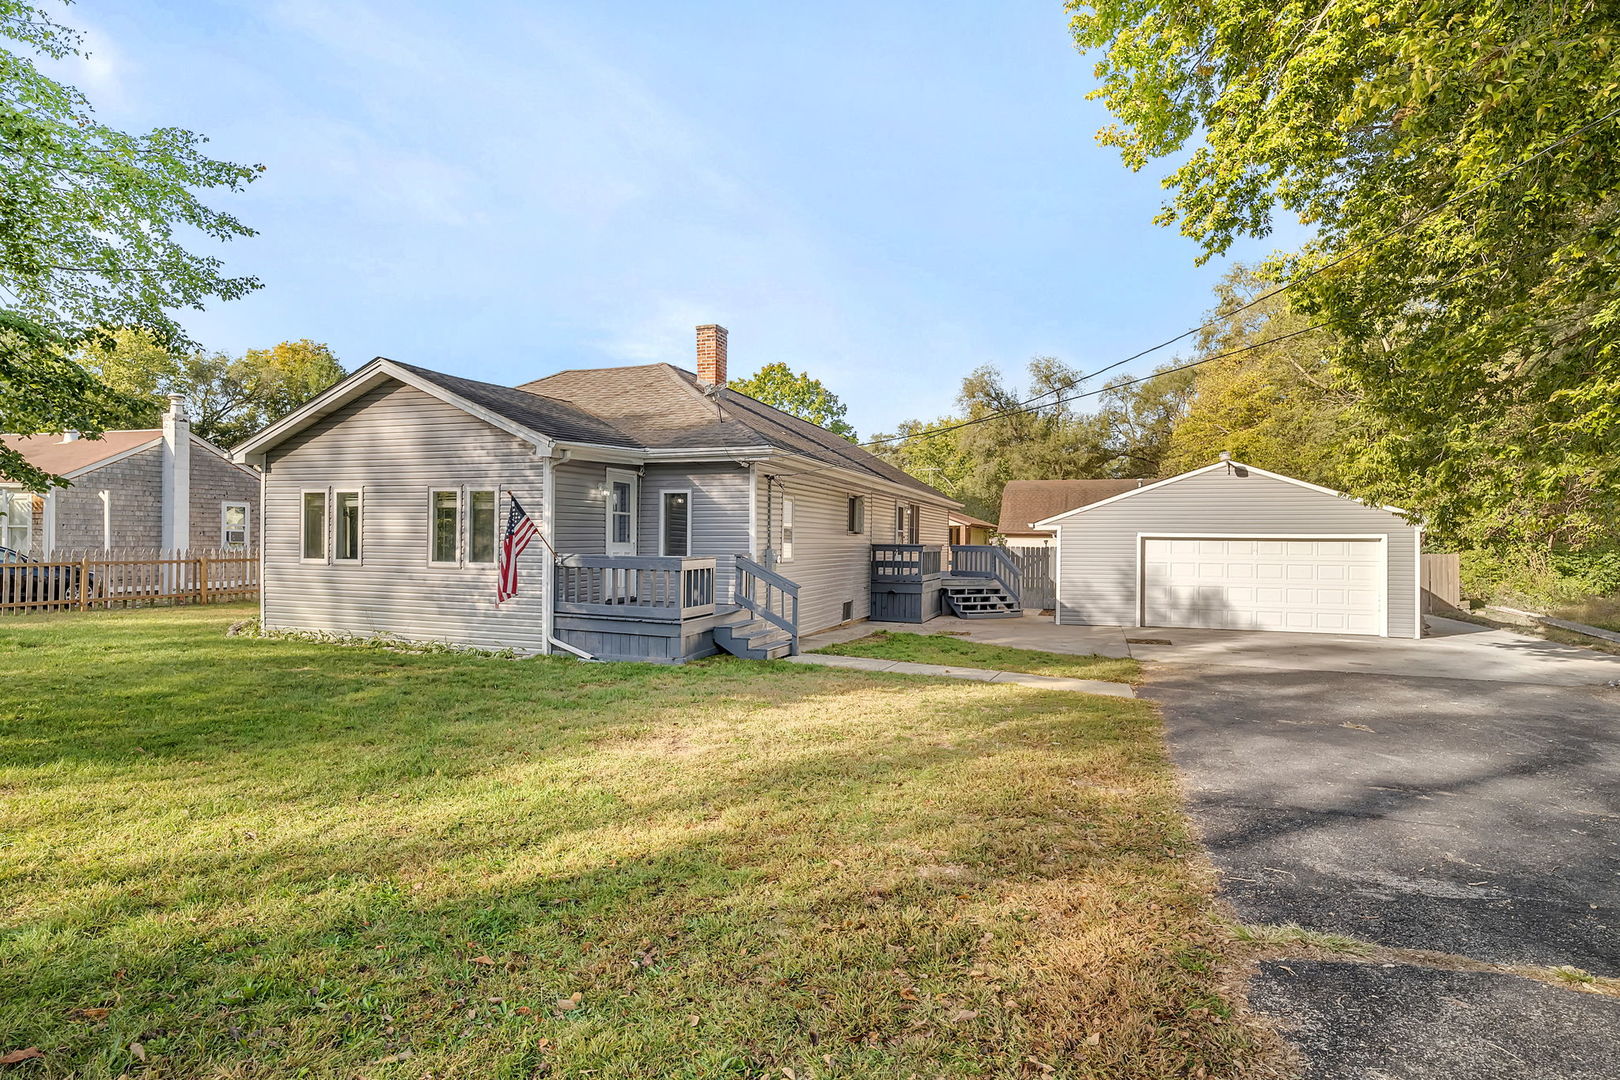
pixel 88 237
pixel 229 398
pixel 1458 164
pixel 780 387
pixel 1284 406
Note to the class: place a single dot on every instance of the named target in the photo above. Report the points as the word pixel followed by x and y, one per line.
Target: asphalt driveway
pixel 1477 817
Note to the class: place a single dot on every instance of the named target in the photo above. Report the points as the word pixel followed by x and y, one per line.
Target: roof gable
pixel 1237 467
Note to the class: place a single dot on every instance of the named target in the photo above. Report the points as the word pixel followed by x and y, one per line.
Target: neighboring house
pixel 664 501
pixel 967 529
pixel 1233 547
pixel 142 490
pixel 1025 502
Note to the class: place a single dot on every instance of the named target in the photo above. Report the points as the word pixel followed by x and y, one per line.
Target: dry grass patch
pixel 230 857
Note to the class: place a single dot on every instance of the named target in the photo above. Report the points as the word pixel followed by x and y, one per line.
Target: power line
pixel 1029 404
pixel 1083 394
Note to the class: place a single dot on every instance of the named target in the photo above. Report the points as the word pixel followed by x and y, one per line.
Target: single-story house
pixel 964 528
pixel 1233 547
pixel 676 517
pixel 1025 502
pixel 140 490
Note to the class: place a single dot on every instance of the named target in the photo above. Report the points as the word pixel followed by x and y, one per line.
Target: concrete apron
pixel 1452 649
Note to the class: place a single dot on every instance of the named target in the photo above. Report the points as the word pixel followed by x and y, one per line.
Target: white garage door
pixel 1315 586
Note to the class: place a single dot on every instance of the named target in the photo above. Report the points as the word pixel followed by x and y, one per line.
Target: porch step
pixel 979 598
pixel 753 639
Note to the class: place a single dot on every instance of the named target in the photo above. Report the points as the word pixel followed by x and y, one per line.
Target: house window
pixel 17 520
pixel 444 528
pixel 481 527
pixel 233 525
pixel 346 507
pixel 787 530
pixel 900 529
pixel 913 513
pixel 314 526
pixel 621 511
pixel 677 523
pixel 857 513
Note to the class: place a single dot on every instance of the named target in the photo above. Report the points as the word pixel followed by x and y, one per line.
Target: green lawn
pixel 940 649
pixel 232 857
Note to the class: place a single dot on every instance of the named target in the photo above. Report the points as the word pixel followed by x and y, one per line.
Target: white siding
pixel 831 564
pixel 1097 556
pixel 394 444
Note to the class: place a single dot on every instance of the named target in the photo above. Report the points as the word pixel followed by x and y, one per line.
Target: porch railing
pixel 665 588
pixel 987 561
pixel 906 563
pixel 770 596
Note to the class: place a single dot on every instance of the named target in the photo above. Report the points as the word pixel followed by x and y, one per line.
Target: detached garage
pixel 1232 547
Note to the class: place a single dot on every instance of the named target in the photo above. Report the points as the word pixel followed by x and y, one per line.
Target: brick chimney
pixel 711 355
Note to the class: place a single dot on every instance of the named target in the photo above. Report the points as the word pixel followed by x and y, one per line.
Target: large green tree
pixel 228 397
pixel 1459 162
pixel 1283 406
pixel 795 392
pixel 90 225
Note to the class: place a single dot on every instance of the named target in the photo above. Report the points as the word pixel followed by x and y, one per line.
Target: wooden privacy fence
pixel 98 582
pixel 1038 583
pixel 1442 582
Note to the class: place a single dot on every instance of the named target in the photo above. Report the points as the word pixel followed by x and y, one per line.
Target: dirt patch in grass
pixel 953 650
pixel 236 857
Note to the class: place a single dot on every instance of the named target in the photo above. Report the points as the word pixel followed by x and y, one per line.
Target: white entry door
pixel 623 497
pixel 1257 583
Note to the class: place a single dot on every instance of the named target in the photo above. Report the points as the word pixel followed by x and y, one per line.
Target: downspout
pixel 548 519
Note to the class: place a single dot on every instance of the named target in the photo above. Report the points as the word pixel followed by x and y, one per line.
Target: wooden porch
pixel 919 582
pixel 665 609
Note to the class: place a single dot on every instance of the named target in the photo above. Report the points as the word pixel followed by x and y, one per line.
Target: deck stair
pixel 980 598
pixel 753 639
pixel 766 623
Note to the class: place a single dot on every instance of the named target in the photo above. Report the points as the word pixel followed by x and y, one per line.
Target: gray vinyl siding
pixel 719 509
pixel 394 445
pixel 831 564
pixel 1097 549
pixel 580 508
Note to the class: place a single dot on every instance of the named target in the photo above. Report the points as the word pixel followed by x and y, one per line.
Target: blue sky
pixel 886 195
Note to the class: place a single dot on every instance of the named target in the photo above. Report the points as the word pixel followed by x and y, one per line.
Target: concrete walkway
pixel 905 667
pixel 1451 649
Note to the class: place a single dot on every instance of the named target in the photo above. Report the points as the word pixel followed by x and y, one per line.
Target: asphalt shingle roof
pixel 658 406
pixel 1026 501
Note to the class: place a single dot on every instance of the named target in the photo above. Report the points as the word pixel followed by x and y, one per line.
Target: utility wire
pixel 1030 406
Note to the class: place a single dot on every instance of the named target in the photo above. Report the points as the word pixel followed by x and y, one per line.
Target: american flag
pixel 519 531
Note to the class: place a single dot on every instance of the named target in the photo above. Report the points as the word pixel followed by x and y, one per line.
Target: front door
pixel 623 496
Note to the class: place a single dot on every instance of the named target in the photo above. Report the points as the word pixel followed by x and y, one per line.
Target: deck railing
pixel 770 596
pixel 89 583
pixel 987 561
pixel 666 588
pixel 906 563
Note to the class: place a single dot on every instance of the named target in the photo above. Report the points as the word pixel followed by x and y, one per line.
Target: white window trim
pixel 860 503
pixel 326 526
pixel 788 525
pixel 456 562
pixel 224 527
pixel 663 532
pixel 5 541
pixel 612 476
pixel 495 534
pixel 359 492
